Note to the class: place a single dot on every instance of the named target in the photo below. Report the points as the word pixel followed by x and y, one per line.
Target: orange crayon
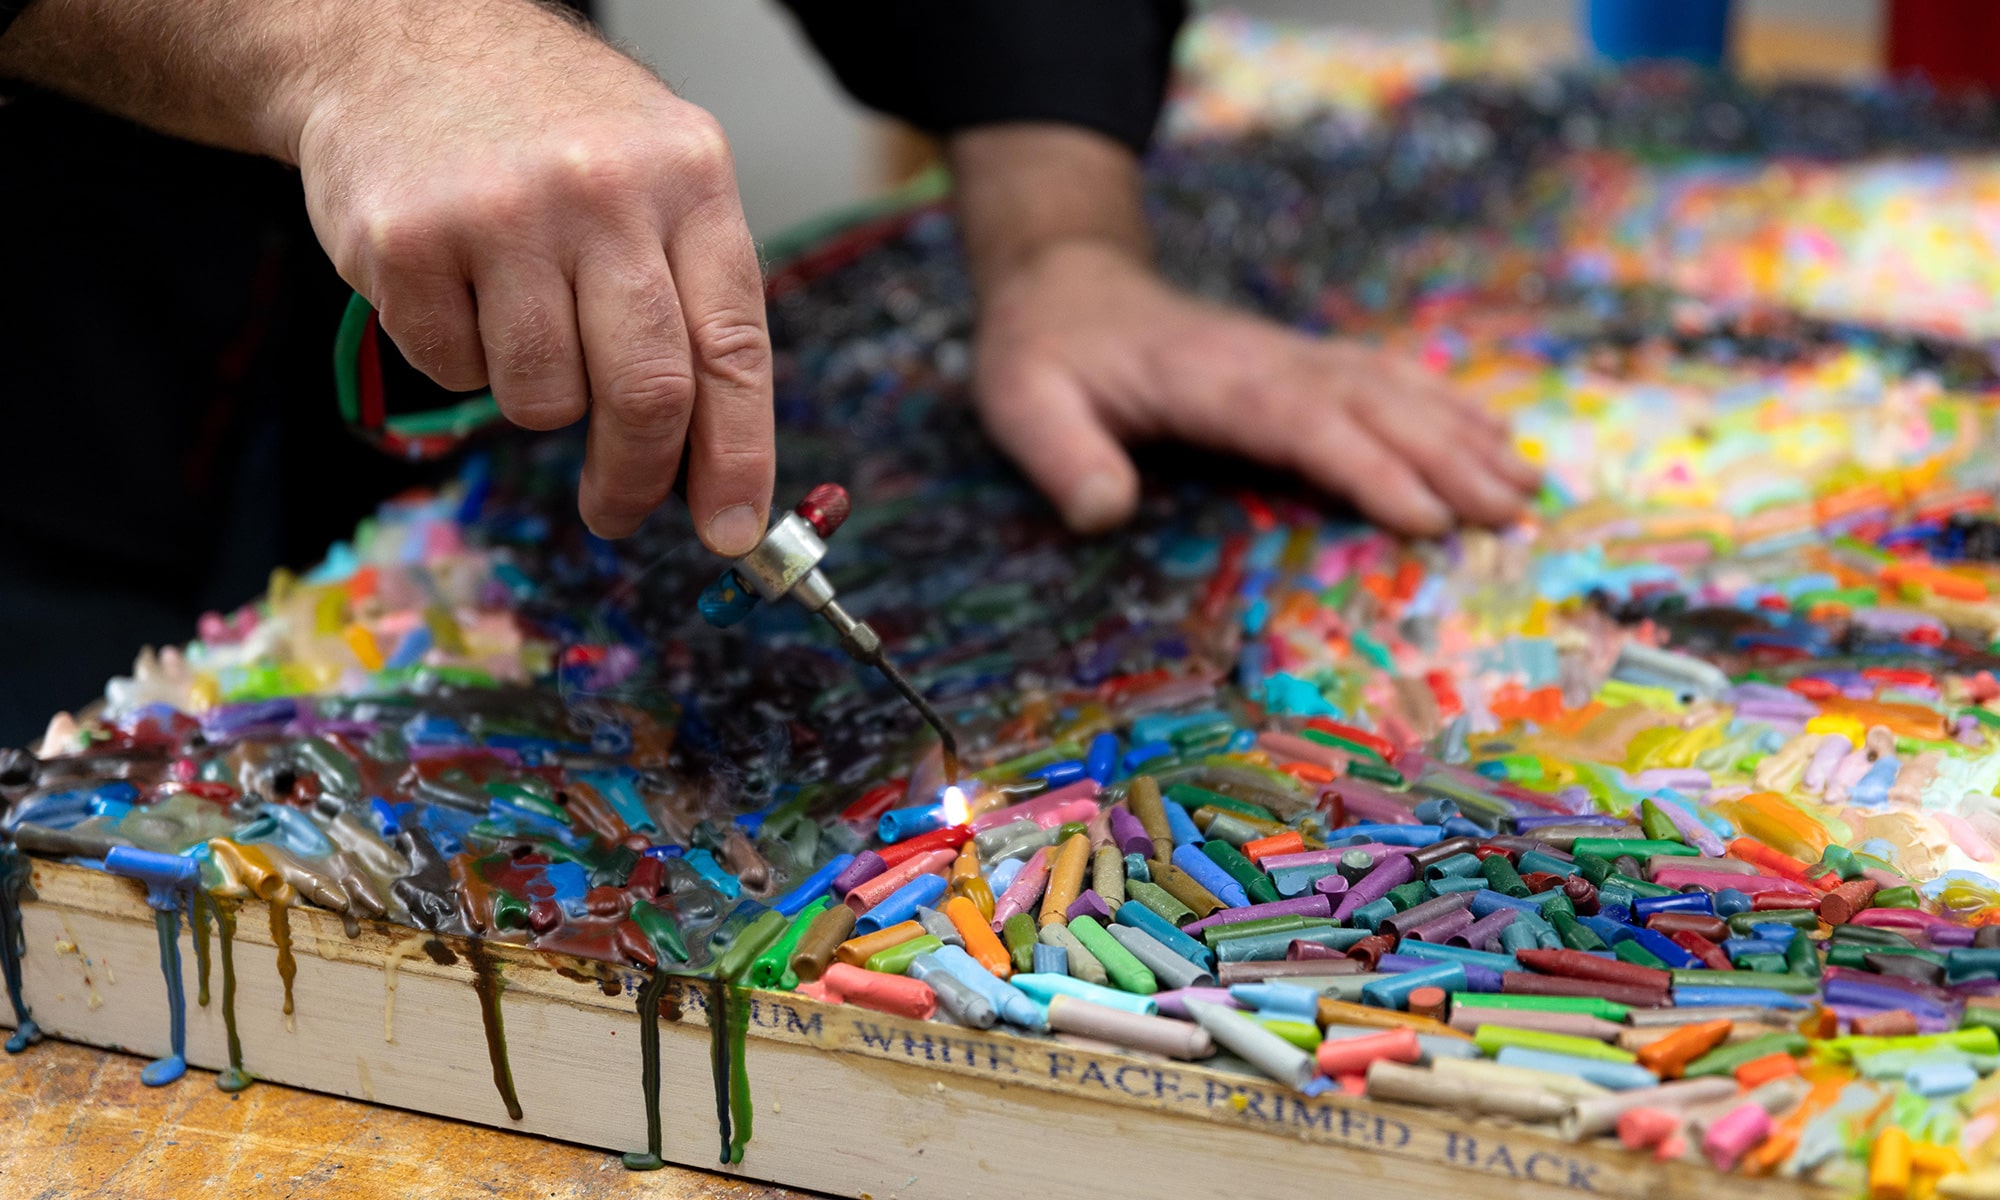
pixel 980 940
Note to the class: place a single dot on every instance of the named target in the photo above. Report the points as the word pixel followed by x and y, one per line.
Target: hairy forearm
pixel 247 74
pixel 1024 188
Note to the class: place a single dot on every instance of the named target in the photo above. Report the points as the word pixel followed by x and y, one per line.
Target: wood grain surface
pixel 80 1124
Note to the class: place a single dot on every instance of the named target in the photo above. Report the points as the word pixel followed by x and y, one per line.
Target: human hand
pixel 529 210
pixel 1082 347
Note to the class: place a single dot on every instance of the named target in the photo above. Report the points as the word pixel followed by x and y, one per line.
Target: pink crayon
pixel 1026 889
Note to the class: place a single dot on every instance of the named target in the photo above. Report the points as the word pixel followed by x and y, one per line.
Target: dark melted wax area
pixel 553 752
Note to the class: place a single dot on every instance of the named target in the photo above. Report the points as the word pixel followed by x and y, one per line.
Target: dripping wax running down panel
pixel 1433 861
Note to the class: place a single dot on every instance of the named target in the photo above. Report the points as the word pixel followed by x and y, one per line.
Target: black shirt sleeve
pixel 947 65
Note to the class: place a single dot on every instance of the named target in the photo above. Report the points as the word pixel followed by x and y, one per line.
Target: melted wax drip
pixel 13 943
pixel 281 937
pixel 235 1079
pixel 161 1071
pixel 486 981
pixel 718 1060
pixel 198 925
pixel 649 1072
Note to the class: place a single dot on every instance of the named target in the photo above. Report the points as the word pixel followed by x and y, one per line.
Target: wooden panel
pixel 847 1101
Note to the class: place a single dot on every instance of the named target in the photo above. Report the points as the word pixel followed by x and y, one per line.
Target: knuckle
pixel 393 237
pixel 656 395
pixel 702 150
pixel 736 350
pixel 590 171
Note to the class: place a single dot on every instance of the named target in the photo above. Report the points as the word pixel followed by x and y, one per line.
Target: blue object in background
pixel 1695 31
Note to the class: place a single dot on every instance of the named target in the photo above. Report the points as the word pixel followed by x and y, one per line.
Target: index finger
pixel 732 453
pixel 641 386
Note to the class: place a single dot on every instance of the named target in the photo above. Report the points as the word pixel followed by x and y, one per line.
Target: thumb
pixel 1042 418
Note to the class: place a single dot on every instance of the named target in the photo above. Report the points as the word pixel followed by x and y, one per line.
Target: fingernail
pixel 1098 503
pixel 734 531
pixel 1433 515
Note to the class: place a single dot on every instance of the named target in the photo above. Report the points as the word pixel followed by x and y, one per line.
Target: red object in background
pixel 1955 44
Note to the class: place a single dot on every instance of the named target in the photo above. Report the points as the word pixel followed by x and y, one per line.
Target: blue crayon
pixel 1059 774
pixel 1371 915
pixel 1410 948
pixel 1138 756
pixel 1003 875
pixel 1393 991
pixel 1157 727
pixel 1872 790
pixel 1612 932
pixel 1679 902
pixel 1436 811
pixel 1732 997
pixel 1044 988
pixel 712 874
pixel 901 824
pixel 812 887
pixel 1015 1006
pixel 1664 948
pixel 1100 761
pixel 1939 1077
pixel 1206 873
pixel 1388 835
pixel 902 904
pixel 1463 826
pixel 1772 931
pixel 1163 931
pixel 1297 881
pixel 1452 884
pixel 1736 948
pixel 384 817
pixel 1518 937
pixel 570 883
pixel 1533 861
pixel 1278 999
pixel 1730 901
pixel 1050 960
pixel 1619 1077
pixel 1486 901
pixel 1613 896
pixel 1186 835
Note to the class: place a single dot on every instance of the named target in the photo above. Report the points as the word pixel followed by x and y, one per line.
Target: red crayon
pixel 1708 952
pixel 1575 964
pixel 897 994
pixel 1701 925
pixel 951 837
pixel 874 802
pixel 1527 983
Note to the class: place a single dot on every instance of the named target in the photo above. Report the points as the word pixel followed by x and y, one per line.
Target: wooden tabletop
pixel 76 1122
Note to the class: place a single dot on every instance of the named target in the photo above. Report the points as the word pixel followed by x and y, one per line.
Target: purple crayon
pixel 1392 872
